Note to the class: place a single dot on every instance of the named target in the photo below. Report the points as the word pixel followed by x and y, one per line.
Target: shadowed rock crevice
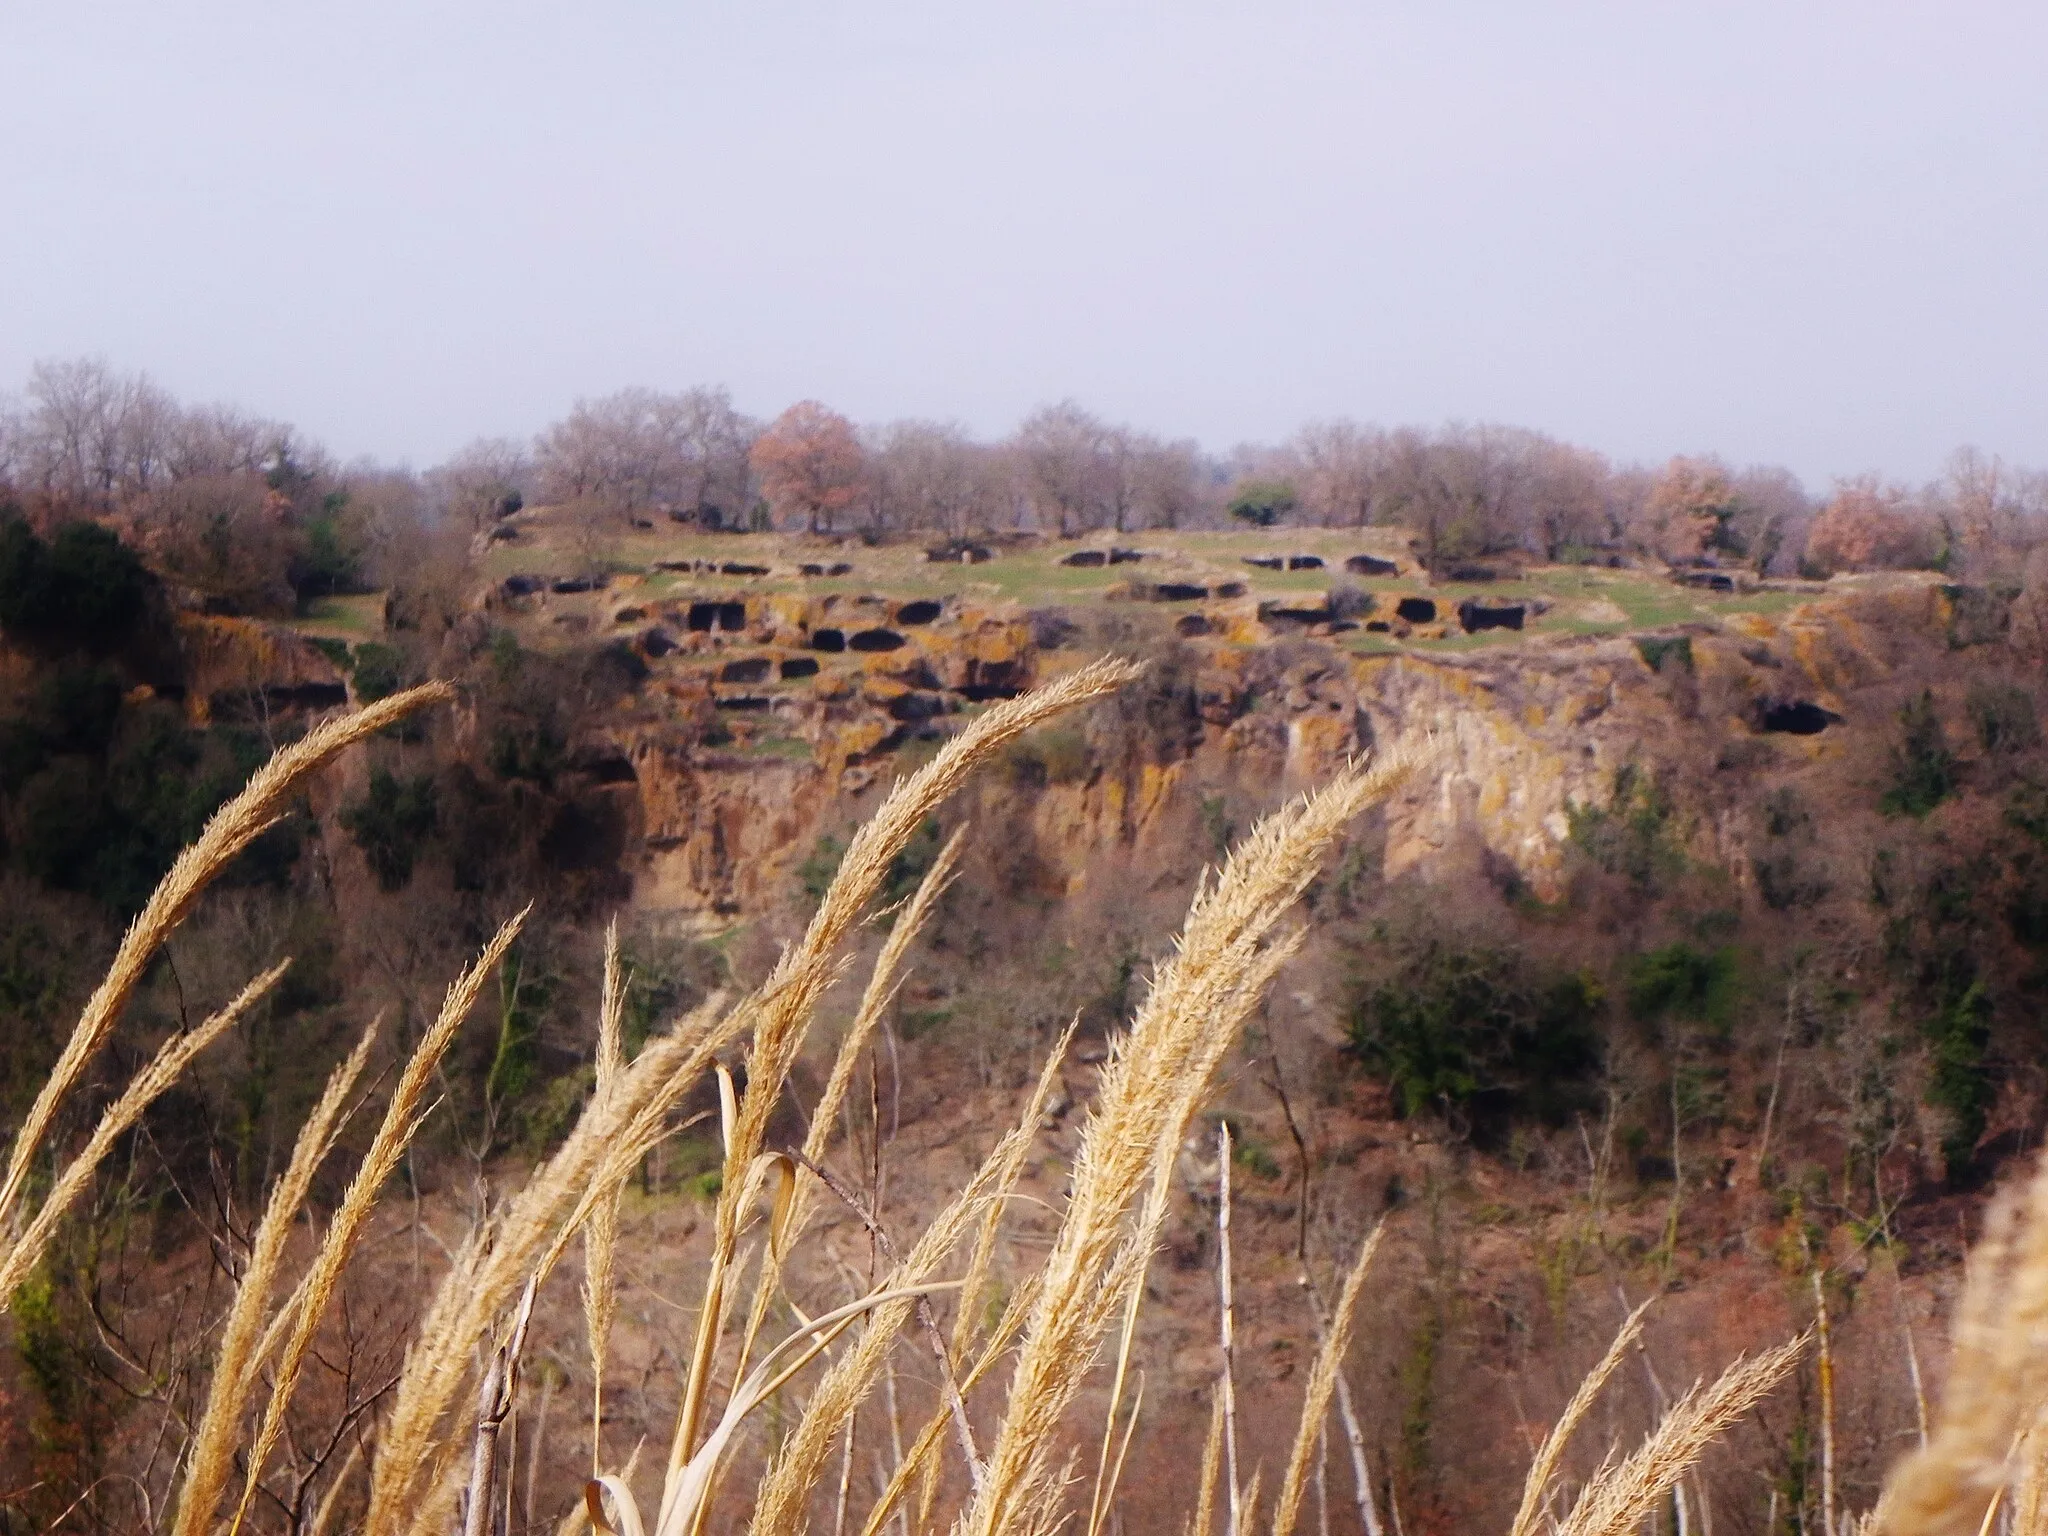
pixel 1474 616
pixel 1795 717
pixel 727 616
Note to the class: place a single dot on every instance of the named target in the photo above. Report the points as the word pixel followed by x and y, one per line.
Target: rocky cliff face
pixel 760 713
pixel 243 668
pixel 768 719
pixel 763 721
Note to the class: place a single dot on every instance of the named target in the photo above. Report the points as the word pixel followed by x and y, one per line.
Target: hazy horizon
pixel 1811 239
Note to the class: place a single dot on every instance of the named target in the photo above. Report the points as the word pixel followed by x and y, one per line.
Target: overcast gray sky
pixel 1814 234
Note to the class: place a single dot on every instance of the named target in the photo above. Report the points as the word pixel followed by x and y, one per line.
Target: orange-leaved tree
pixel 1692 510
pixel 809 461
pixel 1867 527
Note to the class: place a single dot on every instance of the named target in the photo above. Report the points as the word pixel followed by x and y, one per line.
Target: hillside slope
pixel 1705 961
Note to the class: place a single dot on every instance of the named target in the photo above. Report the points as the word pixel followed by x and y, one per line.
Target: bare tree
pixel 76 421
pixel 640 449
pixel 1568 506
pixel 932 476
pixel 1061 451
pixel 708 444
pixel 1466 490
pixel 146 436
pixel 12 438
pixel 1341 472
pixel 1169 482
pixel 220 440
pixel 1772 516
pixel 1996 515
pixel 222 535
pixel 592 451
pixel 484 483
pixel 1118 472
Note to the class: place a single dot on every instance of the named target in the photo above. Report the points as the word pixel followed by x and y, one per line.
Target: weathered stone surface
pixel 1524 733
pixel 239 666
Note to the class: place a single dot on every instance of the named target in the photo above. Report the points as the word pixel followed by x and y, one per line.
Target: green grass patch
pixel 359 616
pixel 1033 576
pixel 919 1022
pixel 1659 651
pixel 1255 1157
pixel 1372 645
pixel 1486 639
pixel 789 749
pixel 706 1185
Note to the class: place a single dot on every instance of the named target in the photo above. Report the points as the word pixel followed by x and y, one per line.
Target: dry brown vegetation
pixel 997 1450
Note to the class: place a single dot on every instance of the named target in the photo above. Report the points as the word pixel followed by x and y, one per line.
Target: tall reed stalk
pixel 1997 1378
pixel 601 1235
pixel 402 1117
pixel 164 1069
pixel 235 1359
pixel 1157 1073
pixel 228 832
pixel 1055 1318
pixel 782 1009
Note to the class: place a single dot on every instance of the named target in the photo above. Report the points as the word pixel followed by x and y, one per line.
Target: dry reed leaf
pixel 1536 1486
pixel 1105 1480
pixel 402 1117
pixel 881 988
pixel 1156 1075
pixel 728 1106
pixel 1107 1494
pixel 164 1069
pixel 2030 1495
pixel 684 1507
pixel 1997 1378
pixel 601 1236
pixel 782 1009
pixel 236 1359
pixel 779 1507
pixel 1322 1385
pixel 1251 1501
pixel 1621 1496
pixel 524 1240
pixel 330 1501
pixel 793 1209
pixel 622 1500
pixel 1204 1519
pixel 227 832
pixel 921 1462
